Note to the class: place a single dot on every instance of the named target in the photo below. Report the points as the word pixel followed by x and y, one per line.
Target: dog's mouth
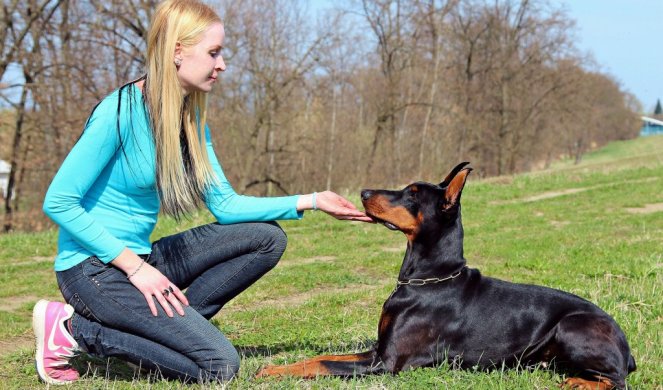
pixel 387 224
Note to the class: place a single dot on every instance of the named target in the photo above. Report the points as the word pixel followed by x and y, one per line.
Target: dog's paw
pixel 584 384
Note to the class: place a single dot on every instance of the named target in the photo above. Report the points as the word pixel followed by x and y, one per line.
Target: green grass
pixel 326 294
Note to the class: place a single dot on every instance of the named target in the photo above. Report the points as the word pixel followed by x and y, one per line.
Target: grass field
pixel 594 229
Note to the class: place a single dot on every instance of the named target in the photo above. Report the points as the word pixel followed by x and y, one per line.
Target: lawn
pixel 594 229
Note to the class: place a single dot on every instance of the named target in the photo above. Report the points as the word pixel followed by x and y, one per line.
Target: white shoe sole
pixel 39 327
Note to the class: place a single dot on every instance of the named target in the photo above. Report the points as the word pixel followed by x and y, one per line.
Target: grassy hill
pixel 594 229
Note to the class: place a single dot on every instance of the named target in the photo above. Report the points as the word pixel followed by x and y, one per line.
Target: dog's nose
pixel 365 194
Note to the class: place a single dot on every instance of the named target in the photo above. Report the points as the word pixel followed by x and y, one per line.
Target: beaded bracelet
pixel 136 270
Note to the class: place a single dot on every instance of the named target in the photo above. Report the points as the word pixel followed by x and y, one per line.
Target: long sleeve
pixel 79 171
pixel 229 207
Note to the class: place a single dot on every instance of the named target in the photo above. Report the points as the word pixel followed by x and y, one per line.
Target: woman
pixel 146 146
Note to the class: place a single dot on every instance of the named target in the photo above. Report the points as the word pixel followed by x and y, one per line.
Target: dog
pixel 442 310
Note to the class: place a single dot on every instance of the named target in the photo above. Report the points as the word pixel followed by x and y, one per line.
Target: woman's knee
pixel 274 238
pixel 222 368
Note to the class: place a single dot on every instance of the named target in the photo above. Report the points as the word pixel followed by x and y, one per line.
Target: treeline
pixel 364 93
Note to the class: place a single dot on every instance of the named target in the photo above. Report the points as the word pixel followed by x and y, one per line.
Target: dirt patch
pixel 554 194
pixel 298 299
pixel 310 260
pixel 559 224
pixel 33 260
pixel 543 196
pixel 11 304
pixel 14 303
pixel 13 344
pixel 647 209
pixel 570 191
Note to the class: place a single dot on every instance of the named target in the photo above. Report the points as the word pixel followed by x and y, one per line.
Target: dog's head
pixel 419 206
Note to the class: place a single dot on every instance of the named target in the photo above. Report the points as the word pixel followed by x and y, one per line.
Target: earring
pixel 178 62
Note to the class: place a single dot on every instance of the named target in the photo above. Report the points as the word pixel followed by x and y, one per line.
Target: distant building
pixel 651 126
pixel 5 168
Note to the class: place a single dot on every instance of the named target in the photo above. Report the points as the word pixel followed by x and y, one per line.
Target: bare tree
pixel 389 22
pixel 25 24
pixel 57 81
pixel 270 59
pixel 381 92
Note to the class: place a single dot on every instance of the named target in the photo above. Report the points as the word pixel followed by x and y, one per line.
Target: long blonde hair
pixel 178 121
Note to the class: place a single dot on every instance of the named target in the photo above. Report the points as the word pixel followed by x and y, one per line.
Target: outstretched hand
pixel 339 207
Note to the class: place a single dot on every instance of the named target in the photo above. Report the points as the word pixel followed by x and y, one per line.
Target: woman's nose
pixel 220 64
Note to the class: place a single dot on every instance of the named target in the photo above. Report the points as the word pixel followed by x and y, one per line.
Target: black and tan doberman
pixel 443 310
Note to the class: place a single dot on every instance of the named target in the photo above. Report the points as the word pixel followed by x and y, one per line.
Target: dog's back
pixel 441 310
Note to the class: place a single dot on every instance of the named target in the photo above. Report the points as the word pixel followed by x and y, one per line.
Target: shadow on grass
pixel 118 370
pixel 112 369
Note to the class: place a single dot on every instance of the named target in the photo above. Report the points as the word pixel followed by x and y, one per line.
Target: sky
pixel 625 37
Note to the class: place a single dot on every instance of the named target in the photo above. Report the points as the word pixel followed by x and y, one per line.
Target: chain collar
pixel 421 282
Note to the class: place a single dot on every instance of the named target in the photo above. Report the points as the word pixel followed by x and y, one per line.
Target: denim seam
pixel 70 280
pixel 97 285
pixel 198 250
pixel 98 276
pixel 206 299
pixel 128 309
pixel 163 365
pixel 77 301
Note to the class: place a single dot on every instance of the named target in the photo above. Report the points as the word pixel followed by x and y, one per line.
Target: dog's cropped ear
pixel 452 174
pixel 455 188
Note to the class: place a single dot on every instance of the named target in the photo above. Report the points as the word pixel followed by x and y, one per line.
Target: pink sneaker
pixel 54 343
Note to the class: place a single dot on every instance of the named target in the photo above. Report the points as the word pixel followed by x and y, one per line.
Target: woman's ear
pixel 177 58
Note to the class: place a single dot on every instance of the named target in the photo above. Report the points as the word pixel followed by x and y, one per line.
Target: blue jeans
pixel 213 263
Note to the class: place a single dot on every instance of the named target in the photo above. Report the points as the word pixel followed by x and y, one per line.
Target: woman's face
pixel 202 62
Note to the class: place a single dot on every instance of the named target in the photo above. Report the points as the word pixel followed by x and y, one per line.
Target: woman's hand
pixel 151 283
pixel 334 205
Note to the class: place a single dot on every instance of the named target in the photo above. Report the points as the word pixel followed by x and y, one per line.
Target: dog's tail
pixel 334 365
pixel 366 366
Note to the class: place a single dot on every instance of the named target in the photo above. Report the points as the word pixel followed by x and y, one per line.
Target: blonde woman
pixel 146 146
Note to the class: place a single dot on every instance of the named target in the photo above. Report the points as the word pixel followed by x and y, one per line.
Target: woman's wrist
pixel 129 262
pixel 307 202
pixel 129 276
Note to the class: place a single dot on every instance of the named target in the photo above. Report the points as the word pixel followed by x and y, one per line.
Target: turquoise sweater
pixel 105 200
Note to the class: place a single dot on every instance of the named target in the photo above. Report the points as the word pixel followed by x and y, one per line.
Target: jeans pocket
pixel 95 268
pixel 67 278
pixel 81 308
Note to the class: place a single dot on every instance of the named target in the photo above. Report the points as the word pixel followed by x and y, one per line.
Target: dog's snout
pixel 365 194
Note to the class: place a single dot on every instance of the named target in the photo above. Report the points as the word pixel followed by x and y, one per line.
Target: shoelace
pixel 63 358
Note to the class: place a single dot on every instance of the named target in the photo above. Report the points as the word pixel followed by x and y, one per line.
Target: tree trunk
pixel 15 156
pixel 332 138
